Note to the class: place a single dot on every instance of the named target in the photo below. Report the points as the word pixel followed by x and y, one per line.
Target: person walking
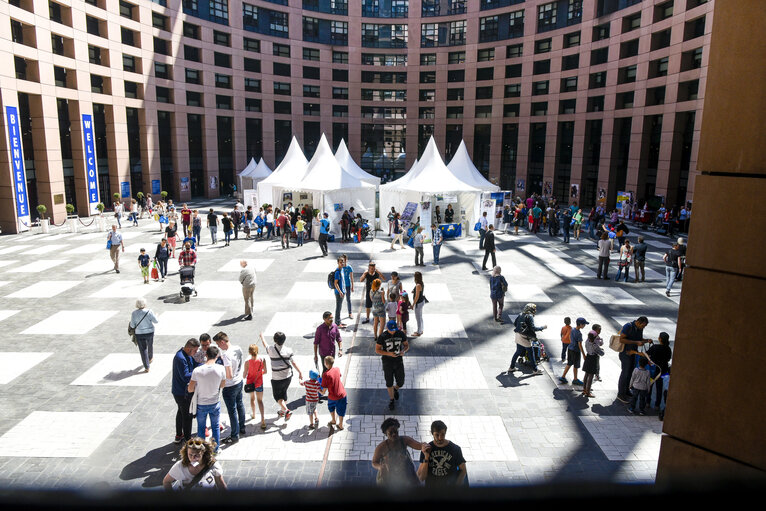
pixel 526 332
pixel 161 255
pixel 577 217
pixel 197 469
pixel 348 282
pixel 282 365
pixel 337 400
pixel 378 297
pixel 418 246
pixel 186 219
pixel 436 240
pixel 632 337
pixel 604 249
pixel 207 380
pixel 183 366
pixel 566 221
pixel 593 352
pixel 660 355
pixel 483 224
pixel 247 279
pixel 390 217
pixel 391 345
pixel 489 248
pixel 196 226
pixel 339 287
pixel 326 337
pixel 116 245
pixel 187 257
pixel 398 231
pixel 118 209
pixel 212 224
pixel 574 351
pixel 255 368
pixel 498 286
pixel 368 277
pixel 233 363
pixel 236 220
pixel 300 229
pixel 418 301
pixel 639 259
pixel 142 321
pixel 626 254
pixel 324 232
pixel 442 463
pixel 171 234
pixel 226 224
pixel 391 459
pixel 672 260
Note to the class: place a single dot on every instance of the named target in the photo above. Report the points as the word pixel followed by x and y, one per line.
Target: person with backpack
pixel 498 286
pixel 526 332
pixel 339 286
pixel 324 232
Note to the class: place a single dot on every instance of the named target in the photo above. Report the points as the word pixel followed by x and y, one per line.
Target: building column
pixel 605 160
pixel 150 151
pixel 522 160
pixel 49 168
pixel 667 165
pixel 117 144
pixel 551 148
pixel 578 149
pixel 210 136
pixel 180 145
pixel 637 135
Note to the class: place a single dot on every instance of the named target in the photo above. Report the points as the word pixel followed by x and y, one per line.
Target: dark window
pixel 162 70
pixel 455 94
pixel 629 49
pixel 252 65
pixel 624 100
pixel 280 50
pixel 222 59
pixel 543 46
pixel 597 80
pixel 310 91
pixel 570 62
pixel 282 88
pixel 569 84
pixel 596 104
pixel 484 92
pixel 694 28
pixel 541 67
pixel 456 75
pixel 663 11
pixel 540 108
pixel 567 106
pixel 281 69
pixel 311 73
pixel 129 63
pixel 252 85
pixel 164 95
pixel 601 32
pixel 92 25
pixel 658 67
pixel 483 111
pixel 485 55
pixel 456 57
pixel 631 22
pixel 131 90
pixel 660 40
pixel 192 53
pixel 513 71
pixel 688 91
pixel 627 74
pixel 655 96
pixel 310 54
pixel 514 50
pixel 191 30
pixel 691 59
pixel 540 88
pixel 98 84
pixel 159 21
pixel 222 81
pixel 223 102
pixel 340 110
pixel 600 56
pixel 340 57
pixel 427 95
pixel 485 73
pixel 340 75
pixel 57 44
pixel 252 105
pixel 193 98
pixel 571 40
pixel 94 55
pixel 513 90
pixel 193 76
pixel 428 77
pixel 427 59
pixel 221 38
pixel 426 112
pixel 511 110
pixel 251 44
pixel 161 46
pixel 126 9
pixel 282 107
pixel 454 112
pixel 339 93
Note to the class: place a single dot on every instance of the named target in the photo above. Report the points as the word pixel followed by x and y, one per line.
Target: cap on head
pixel 581 321
pixel 391 326
pixel 313 375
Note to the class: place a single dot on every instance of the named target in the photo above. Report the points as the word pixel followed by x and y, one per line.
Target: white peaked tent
pixel 430 177
pixel 350 166
pixel 253 174
pixel 334 187
pixel 462 166
pixel 243 182
pixel 287 175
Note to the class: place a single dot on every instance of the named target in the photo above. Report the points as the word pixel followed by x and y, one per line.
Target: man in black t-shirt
pixel 441 461
pixel 672 260
pixel 212 223
pixel 392 345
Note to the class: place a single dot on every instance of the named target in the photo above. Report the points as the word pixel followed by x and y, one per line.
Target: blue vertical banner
pixel 17 164
pixel 90 162
pixel 156 187
pixel 125 189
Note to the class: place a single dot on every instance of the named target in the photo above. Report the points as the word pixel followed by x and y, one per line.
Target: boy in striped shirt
pixel 312 386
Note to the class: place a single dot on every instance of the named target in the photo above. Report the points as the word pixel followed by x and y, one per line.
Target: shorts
pixel 256 389
pixel 393 368
pixel 338 406
pixel 573 358
pixel 279 388
pixel 144 271
pixel 311 407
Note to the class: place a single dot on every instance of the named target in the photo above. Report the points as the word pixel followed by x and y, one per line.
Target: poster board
pixel 406 216
pixel 623 197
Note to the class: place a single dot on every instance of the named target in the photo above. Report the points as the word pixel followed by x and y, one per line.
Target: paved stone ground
pixel 78 411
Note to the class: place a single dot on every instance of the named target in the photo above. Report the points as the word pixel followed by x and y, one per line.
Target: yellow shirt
pixel 299 225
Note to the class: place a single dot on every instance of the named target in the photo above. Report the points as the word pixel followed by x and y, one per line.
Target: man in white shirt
pixel 206 381
pixel 233 363
pixel 483 229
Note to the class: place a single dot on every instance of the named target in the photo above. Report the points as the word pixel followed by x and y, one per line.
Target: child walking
pixel 336 392
pixel 313 388
pixel 403 311
pixel 565 339
pixel 143 265
pixel 392 306
pixel 253 376
pixel 639 384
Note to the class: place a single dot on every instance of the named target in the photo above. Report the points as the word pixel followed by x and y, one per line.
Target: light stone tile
pixel 660 244
pixel 188 322
pixel 17 363
pixel 126 370
pixel 59 434
pixel 481 438
pixel 38 266
pixel 91 248
pixel 219 289
pixel 447 326
pixel 13 248
pixel 259 265
pixel 295 324
pixel 545 254
pixel 45 289
pixel 289 440
pixel 94 266
pixel 527 293
pixel 675 293
pixel 125 289
pixel 607 295
pixel 612 432
pixel 4 314
pixel 366 372
pixel 321 291
pixel 8 263
pixel 69 322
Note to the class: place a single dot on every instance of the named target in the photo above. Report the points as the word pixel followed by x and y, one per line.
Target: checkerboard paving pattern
pixel 260 265
pixel 38 266
pixel 420 373
pixel 126 370
pixel 44 289
pixel 526 293
pixel 442 326
pixel 17 363
pixel 189 322
pixel 13 249
pixel 70 322
pixel 611 295
pixel 7 313
pixel 625 437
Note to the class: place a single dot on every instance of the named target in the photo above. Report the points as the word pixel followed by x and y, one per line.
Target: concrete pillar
pixel 48 165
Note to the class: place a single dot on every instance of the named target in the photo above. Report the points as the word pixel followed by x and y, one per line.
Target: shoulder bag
pixel 194 482
pixel 615 344
pixel 132 329
pixel 285 361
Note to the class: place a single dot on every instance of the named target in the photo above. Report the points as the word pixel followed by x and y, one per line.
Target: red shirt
pixel 186 215
pixel 312 391
pixel 187 258
pixel 331 381
pixel 255 372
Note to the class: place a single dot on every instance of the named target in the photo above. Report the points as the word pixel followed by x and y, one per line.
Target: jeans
pixel 419 256
pixel 603 264
pixel 232 396
pixel 639 265
pixel 592 229
pixel 214 411
pixel 419 315
pixel 520 350
pixel 348 297
pixel 564 348
pixel 300 238
pixel 269 230
pixel 670 277
pixel 641 397
pixel 146 347
pixel 227 236
pixel 437 249
pixel 183 417
pixel 566 234
pixel 482 233
pixel 497 307
pixel 620 268
pixel 197 231
pixel 214 233
pixel 119 220
pixel 628 363
pixel 338 307
pixel 162 263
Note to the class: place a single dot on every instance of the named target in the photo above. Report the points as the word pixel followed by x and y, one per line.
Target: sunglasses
pixel 196 444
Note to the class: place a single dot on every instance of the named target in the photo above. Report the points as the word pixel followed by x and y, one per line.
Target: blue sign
pixel 125 189
pixel 17 162
pixel 155 186
pixel 90 161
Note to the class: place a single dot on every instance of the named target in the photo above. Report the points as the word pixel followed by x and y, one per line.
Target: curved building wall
pixel 579 99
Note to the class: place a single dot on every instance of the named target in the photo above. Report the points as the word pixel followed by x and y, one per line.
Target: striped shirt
pixel 280 369
pixel 312 391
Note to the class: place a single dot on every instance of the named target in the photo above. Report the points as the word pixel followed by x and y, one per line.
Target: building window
pixel 427 59
pixel 311 73
pixel 488 28
pixel 219 11
pixel 541 67
pixel 282 88
pixel 596 104
pixel 129 63
pixel 456 75
pixel 484 92
pixel 543 46
pixel 512 90
pixel 340 75
pixel 485 73
pixel 597 80
pixel 427 95
pixel 280 50
pixel 132 90
pixel 222 59
pixel 252 85
pixel 429 35
pixel 569 84
pixel 455 94
pixel 567 106
pixel 485 55
pixel 624 100
pixel 658 67
pixel 128 37
pixel 249 15
pixel 340 110
pixel 282 107
pixel 191 53
pixel 600 56
pixel 454 112
pixel 339 93
pixel 93 26
pixel 540 108
pixel 540 88
pixel 514 50
pixel 513 71
pixel 311 109
pixel 222 81
pixel 278 24
pixel 223 102
pixel 601 32
pixel 159 21
pixel 252 65
pixel 631 22
pixel 252 105
pixel 483 111
pixel 94 55
pixel 574 12
pixel 161 46
pixel 456 57
pixel 426 112
pixel 340 57
pixel 511 110
pixel 164 95
pixel 162 70
pixel 191 30
pixel 629 49
pixel 428 77
pixel 193 98
pixel 221 38
pixel 193 76
pixel 571 40
pixel 457 32
pixel 569 62
pixel 688 91
pixel 546 16
pixel 310 29
pixel 339 32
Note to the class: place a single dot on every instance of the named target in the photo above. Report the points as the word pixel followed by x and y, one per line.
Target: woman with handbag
pixel 255 368
pixel 141 327
pixel 282 364
pixel 161 256
pixel 498 286
pixel 593 351
pixel 626 255
pixel 418 300
pixel 197 468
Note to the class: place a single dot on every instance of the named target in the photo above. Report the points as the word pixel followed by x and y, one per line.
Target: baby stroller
pixel 539 350
pixel 363 228
pixel 187 282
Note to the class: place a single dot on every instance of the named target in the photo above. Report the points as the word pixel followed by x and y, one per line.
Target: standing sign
pixel 90 162
pixel 407 213
pixel 17 163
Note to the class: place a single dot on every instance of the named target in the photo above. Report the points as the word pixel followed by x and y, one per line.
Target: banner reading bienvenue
pixel 17 164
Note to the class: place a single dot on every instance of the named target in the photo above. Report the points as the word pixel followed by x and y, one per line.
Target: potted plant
pixel 101 220
pixel 164 195
pixel 116 197
pixel 140 195
pixel 44 222
pixel 71 218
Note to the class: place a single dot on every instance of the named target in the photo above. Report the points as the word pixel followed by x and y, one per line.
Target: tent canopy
pixel 249 168
pixel 462 166
pixel 349 165
pixel 261 171
pixel 292 168
pixel 324 173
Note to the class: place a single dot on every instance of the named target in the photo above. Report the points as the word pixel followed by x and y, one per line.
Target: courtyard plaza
pixel 79 411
